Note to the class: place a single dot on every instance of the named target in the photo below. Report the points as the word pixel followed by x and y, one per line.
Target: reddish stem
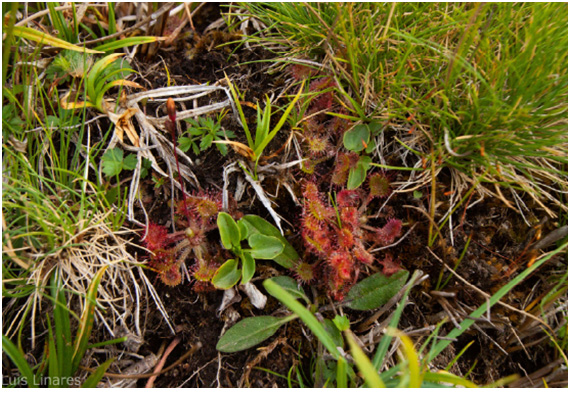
pixel 171 126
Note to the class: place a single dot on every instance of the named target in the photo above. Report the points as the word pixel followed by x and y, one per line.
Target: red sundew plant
pixel 197 214
pixel 301 72
pixel 169 251
pixel 345 162
pixel 388 234
pixel 390 265
pixel 337 235
pixel 304 272
pixel 322 101
pixel 379 185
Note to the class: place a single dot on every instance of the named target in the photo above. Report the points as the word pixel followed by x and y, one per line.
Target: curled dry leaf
pixel 123 124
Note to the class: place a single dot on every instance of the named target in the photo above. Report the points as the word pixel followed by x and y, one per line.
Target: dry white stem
pixel 255 296
pixel 264 200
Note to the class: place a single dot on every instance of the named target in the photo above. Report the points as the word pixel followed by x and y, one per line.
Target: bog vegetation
pixel 371 194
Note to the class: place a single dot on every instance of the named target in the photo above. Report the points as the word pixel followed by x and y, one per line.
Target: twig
pixel 158 368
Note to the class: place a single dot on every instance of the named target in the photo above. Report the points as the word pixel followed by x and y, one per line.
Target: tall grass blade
pixel 308 318
pixel 368 371
pixel 20 361
pixel 44 38
pixel 86 323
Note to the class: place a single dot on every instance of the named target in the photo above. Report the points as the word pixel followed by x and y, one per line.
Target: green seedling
pixel 105 74
pixel 113 162
pixel 264 241
pixel 263 132
pixel 202 133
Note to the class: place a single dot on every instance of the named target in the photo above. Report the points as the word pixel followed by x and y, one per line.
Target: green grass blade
pixel 341 373
pixel 93 380
pixel 108 342
pixel 127 42
pixel 445 377
pixel 268 138
pixel 465 324
pixel 43 38
pixel 369 373
pixel 308 318
pixel 20 361
pixel 86 323
pixel 236 98
pixel 112 19
pixel 54 369
pixel 63 339
pixel 384 343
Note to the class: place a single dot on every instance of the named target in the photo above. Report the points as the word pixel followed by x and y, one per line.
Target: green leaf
pixel 44 38
pixel 243 232
pixel 222 148
pixel 184 143
pixel 255 224
pixel 341 322
pixel 290 285
pixel 146 165
pixel 333 331
pixel 229 231
pixel 112 195
pixel 384 343
pixel 206 142
pixel 86 321
pixel 356 138
pixel 308 318
pixel 227 275
pixel 93 380
pixel 130 162
pixel 19 360
pixel 375 128
pixel 357 175
pixel 264 247
pixel 129 41
pixel 112 162
pixel 376 290
pixel 250 332
pixel 248 267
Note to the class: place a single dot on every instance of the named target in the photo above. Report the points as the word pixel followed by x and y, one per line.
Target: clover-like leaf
pixel 130 162
pixel 112 162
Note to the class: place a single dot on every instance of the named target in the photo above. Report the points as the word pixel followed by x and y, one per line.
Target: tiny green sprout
pixel 203 132
pixel 341 322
